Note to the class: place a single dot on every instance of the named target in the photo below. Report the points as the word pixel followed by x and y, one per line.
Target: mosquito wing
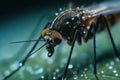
pixel 104 8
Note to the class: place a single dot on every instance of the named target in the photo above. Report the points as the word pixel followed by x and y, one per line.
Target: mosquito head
pixel 52 38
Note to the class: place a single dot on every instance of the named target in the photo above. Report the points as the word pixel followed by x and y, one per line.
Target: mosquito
pixel 75 24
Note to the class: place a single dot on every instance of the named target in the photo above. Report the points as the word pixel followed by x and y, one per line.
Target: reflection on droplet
pixel 15 65
pixel 102 71
pixel 42 77
pixel 116 74
pixel 54 77
pixel 60 9
pixel 114 71
pixel 56 14
pixel 83 72
pixel 21 64
pixel 75 77
pixel 73 18
pixel 86 77
pixel 81 75
pixel 110 67
pixel 70 66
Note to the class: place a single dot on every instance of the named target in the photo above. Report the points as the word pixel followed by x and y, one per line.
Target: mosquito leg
pixel 94 44
pixel 23 61
pixel 89 32
pixel 93 27
pixel 110 35
pixel 69 58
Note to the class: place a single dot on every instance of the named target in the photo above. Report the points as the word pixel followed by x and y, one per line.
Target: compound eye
pixel 56 37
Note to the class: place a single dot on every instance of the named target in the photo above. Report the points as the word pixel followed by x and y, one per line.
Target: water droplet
pixel 102 71
pixel 103 75
pixel 81 75
pixel 14 66
pixel 57 70
pixel 83 72
pixel 60 9
pixel 75 77
pixel 64 79
pixel 85 69
pixel 54 77
pixel 110 67
pixel 117 60
pixel 112 63
pixel 73 18
pixel 21 64
pixel 70 66
pixel 85 75
pixel 107 65
pixel 39 71
pixel 114 71
pixel 42 77
pixel 67 22
pixel 116 74
pixel 50 61
pixel 56 14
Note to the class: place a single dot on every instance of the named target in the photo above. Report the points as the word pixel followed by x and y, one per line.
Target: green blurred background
pixel 24 20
